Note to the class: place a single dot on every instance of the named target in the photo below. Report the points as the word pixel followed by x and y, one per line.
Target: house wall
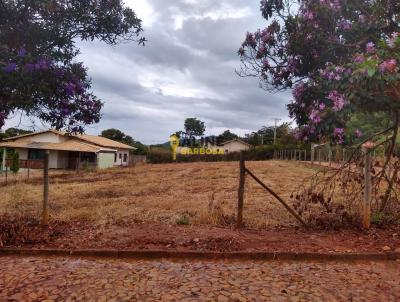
pixel 120 158
pixel 62 159
pixel 235 146
pixel 105 160
pixel 23 153
pixel 47 137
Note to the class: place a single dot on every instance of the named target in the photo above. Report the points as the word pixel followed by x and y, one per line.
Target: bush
pixel 162 155
pixel 159 155
pixel 182 220
pixel 14 167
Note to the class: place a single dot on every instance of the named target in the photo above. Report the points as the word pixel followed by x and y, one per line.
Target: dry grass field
pixel 187 193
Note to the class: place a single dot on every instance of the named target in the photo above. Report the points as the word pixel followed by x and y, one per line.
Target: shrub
pixel 182 220
pixel 14 167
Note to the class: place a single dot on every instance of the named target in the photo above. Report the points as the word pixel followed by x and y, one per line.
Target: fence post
pixel 45 213
pixel 312 155
pixel 367 185
pixel 242 176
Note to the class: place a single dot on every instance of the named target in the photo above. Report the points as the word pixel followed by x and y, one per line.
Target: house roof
pixel 237 140
pixel 69 145
pixel 97 140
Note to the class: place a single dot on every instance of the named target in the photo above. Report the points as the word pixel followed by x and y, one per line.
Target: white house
pixel 67 151
pixel 234 145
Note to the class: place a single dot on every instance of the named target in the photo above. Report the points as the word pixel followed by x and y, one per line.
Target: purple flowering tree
pixel 340 58
pixel 305 47
pixel 39 75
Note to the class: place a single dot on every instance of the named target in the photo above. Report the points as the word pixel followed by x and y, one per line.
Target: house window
pixel 226 150
pixel 120 155
pixel 35 154
pixel 115 157
pixel 125 157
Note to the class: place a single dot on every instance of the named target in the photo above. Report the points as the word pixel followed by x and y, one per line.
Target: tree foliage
pixel 338 56
pixel 225 136
pixel 39 74
pixel 14 166
pixel 119 136
pixel 194 127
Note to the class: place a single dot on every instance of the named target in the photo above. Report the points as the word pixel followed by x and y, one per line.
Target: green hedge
pixel 162 155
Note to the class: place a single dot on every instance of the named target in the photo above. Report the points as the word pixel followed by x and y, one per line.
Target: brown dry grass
pixel 204 193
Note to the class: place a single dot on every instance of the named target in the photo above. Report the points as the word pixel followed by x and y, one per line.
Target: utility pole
pixel 276 121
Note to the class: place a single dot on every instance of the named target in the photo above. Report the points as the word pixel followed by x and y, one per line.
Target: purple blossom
pixel 338 100
pixel 298 90
pixel 370 47
pixel 22 52
pixel 29 67
pixel 388 65
pixel 321 106
pixel 59 73
pixel 359 59
pixel 358 133
pixel 69 88
pixel 315 116
pixel 345 25
pixel 10 67
pixel 338 133
pixel 309 15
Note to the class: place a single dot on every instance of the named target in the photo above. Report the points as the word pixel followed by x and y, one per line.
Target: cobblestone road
pixel 70 279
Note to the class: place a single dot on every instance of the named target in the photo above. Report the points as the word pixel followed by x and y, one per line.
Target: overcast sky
pixel 186 69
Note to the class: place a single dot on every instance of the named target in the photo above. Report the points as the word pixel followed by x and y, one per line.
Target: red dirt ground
pixel 189 238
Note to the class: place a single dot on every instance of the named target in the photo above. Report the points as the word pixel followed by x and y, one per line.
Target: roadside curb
pixel 158 254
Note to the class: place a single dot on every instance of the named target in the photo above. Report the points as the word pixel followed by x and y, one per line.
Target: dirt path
pixel 60 279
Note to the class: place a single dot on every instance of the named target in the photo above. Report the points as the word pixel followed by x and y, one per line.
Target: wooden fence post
pixel 45 213
pixel 367 186
pixel 312 151
pixel 242 177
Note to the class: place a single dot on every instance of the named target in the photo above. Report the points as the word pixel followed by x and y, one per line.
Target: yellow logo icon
pixel 174 142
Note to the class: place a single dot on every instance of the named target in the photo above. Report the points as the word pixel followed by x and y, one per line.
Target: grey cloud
pixel 199 55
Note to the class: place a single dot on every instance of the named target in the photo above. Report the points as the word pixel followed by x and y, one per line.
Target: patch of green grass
pixel 182 220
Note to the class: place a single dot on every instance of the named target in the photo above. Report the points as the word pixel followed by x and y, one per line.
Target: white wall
pixel 235 146
pixel 120 158
pixel 48 137
pixel 105 160
pixel 23 153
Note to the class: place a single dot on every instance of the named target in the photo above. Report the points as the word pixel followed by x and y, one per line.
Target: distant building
pixel 67 151
pixel 234 145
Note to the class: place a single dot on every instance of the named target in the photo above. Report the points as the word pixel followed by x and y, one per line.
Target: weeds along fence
pixel 162 155
pixel 293 154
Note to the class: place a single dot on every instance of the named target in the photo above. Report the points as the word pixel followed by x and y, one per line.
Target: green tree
pixel 11 132
pixel 194 127
pixel 39 74
pixel 225 136
pixel 119 136
pixel 14 167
